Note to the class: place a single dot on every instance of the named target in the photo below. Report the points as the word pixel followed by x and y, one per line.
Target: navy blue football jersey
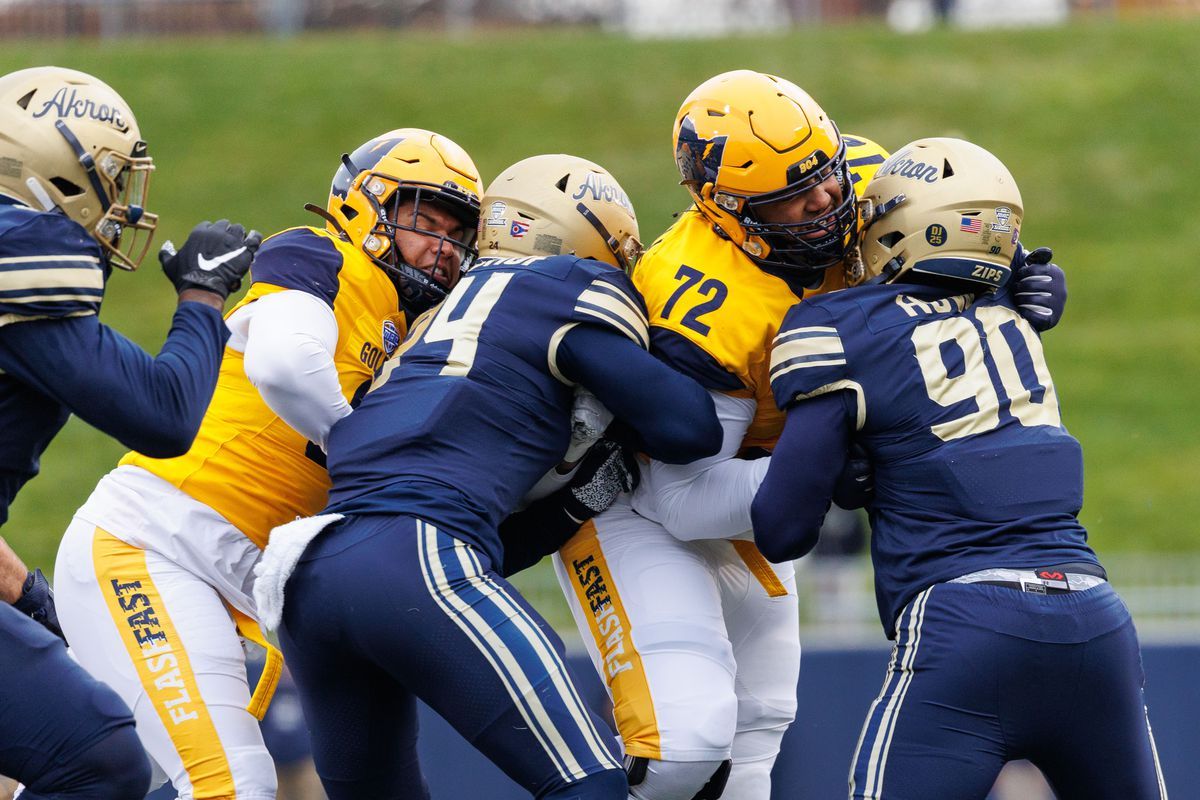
pixel 49 266
pixel 957 409
pixel 57 358
pixel 473 410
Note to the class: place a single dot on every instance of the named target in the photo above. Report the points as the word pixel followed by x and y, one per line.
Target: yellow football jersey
pixel 714 313
pixel 246 463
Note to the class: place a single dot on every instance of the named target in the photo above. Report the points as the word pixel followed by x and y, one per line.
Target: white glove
pixel 589 420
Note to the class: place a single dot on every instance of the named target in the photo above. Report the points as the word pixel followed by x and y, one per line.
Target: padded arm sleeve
pixel 709 498
pixel 794 497
pixel 290 341
pixel 672 415
pixel 151 404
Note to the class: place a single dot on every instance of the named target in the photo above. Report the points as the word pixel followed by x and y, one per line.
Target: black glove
pixel 214 258
pixel 605 471
pixel 37 602
pixel 1041 288
pixel 855 487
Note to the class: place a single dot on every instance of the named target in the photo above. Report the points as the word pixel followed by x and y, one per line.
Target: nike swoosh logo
pixel 209 264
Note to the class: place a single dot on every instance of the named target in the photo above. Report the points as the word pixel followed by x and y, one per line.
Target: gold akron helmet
pixel 744 140
pixel 554 204
pixel 942 210
pixel 68 141
pixel 373 181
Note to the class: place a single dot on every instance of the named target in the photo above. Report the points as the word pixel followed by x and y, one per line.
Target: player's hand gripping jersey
pixel 475 409
pixel 973 466
pixel 247 463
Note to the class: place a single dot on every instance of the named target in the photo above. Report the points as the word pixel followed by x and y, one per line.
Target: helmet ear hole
pixel 65 186
pixel 890 240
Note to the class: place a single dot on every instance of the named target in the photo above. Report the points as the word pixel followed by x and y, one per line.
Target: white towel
pixel 284 548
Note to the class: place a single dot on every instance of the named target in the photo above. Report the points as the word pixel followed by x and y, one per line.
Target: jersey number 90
pixel 990 370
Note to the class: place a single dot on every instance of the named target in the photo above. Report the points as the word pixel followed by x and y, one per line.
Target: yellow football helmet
pixel 68 142
pixel 553 204
pixel 372 183
pixel 942 210
pixel 745 140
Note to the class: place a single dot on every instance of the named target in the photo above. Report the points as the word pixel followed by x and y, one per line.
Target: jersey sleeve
pixel 50 268
pixel 152 404
pixel 611 301
pixel 689 358
pixel 300 258
pixel 808 357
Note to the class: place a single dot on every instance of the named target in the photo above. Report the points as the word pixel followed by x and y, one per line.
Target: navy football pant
pixel 62 733
pixel 982 675
pixel 382 610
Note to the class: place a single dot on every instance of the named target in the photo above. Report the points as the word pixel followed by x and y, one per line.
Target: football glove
pixel 37 602
pixel 855 487
pixel 1041 288
pixel 214 258
pixel 589 418
pixel 607 470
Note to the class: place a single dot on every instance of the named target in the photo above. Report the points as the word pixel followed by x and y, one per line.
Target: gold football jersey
pixel 246 463
pixel 701 288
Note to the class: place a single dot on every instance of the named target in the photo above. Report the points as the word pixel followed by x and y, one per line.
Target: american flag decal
pixel 971 225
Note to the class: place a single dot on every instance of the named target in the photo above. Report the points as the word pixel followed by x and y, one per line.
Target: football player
pixel 705 683
pixel 401 594
pixel 1010 643
pixel 73 185
pixel 155 569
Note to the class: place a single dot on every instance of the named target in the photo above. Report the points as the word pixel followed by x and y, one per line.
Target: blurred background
pixel 247 106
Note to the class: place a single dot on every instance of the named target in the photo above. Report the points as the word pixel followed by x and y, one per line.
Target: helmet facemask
pixel 406 206
pixel 815 244
pixel 406 183
pixel 126 229
pixel 745 141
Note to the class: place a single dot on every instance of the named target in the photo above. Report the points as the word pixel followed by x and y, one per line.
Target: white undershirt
pixel 289 339
pixel 709 498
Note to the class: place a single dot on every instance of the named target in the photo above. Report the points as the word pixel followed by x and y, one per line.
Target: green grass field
pixel 1096 121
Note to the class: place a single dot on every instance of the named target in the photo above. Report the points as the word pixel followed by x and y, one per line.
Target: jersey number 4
pixel 989 368
pixel 458 320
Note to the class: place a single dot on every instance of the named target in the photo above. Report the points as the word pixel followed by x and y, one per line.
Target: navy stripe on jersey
pixel 299 258
pixel 524 660
pixel 49 266
pixel 609 304
pixel 806 348
pixel 687 357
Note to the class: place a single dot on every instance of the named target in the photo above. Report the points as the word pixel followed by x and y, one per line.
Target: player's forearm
pixel 790 506
pixel 156 404
pixel 12 573
pixel 710 498
pixel 672 414
pixel 712 505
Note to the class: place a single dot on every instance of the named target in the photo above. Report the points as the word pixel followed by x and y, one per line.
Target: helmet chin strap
pixel 325 215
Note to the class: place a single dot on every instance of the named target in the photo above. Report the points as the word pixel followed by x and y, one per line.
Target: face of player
pixel 807 206
pixel 435 243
